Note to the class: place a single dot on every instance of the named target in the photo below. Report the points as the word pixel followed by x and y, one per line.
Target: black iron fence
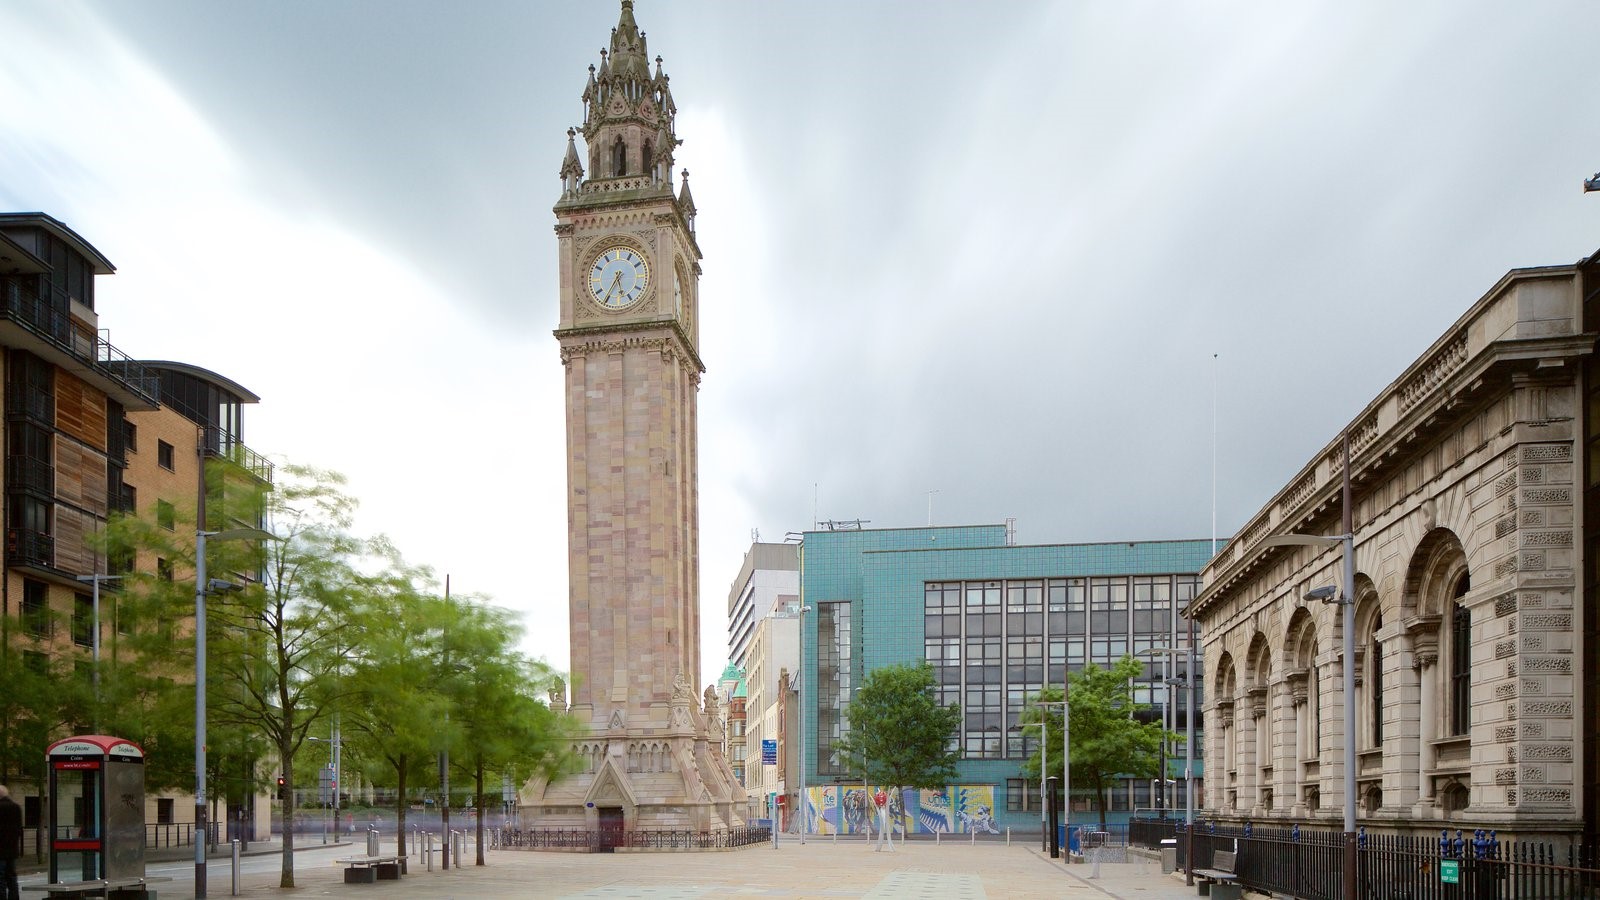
pixel 177 834
pixel 1308 863
pixel 652 839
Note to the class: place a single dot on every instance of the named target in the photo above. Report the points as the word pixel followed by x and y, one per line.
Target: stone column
pixel 1261 721
pixel 1295 777
pixel 1223 745
pixel 1428 672
pixel 1244 754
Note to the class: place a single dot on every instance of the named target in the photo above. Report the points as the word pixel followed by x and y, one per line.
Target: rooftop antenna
pixel 1214 365
pixel 1011 531
pixel 930 505
pixel 755 535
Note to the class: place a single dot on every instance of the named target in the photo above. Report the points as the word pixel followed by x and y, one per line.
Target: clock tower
pixel 629 330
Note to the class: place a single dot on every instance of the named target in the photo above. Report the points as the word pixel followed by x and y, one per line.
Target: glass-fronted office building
pixel 998 623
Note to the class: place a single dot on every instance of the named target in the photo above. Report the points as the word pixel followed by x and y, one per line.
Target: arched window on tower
pixel 619 158
pixel 646 164
pixel 1460 661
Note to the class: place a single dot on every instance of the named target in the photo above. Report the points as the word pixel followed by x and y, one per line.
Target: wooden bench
pixel 1220 881
pixel 109 888
pixel 368 869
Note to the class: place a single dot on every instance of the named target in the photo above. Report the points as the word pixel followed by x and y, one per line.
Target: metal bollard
pixel 1008 835
pixel 372 842
pixel 427 848
pixel 235 844
pixel 936 838
pixel 972 837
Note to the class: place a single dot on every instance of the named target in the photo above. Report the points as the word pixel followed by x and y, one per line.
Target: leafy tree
pixel 396 707
pixel 278 648
pixel 502 722
pixel 1107 741
pixel 899 734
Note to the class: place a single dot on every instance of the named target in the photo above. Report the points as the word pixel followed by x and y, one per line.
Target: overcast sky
pixel 1008 252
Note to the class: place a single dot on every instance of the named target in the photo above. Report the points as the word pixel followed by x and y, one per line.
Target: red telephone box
pixel 96 808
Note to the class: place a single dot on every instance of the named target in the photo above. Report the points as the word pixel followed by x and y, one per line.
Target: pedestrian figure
pixel 10 845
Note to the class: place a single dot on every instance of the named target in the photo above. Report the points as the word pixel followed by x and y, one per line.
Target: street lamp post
pixel 801 806
pixel 202 587
pixel 335 743
pixel 1044 766
pixel 96 579
pixel 1166 685
pixel 1347 600
pixel 1066 765
pixel 800 695
pixel 1188 747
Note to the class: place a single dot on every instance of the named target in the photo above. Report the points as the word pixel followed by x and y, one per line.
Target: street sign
pixel 1449 871
pixel 769 752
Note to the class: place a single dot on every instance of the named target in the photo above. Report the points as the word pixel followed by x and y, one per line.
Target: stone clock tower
pixel 650 755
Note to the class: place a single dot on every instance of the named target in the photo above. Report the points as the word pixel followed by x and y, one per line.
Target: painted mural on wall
pixel 848 809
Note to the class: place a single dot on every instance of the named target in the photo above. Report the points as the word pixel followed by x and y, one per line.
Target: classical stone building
pixel 628 331
pixel 1472 516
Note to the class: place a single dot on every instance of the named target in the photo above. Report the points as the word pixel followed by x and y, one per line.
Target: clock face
pixel 619 277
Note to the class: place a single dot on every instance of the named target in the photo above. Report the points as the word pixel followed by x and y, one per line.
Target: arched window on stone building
pixel 1375 674
pixel 1304 679
pixel 619 158
pixel 1226 688
pixel 1460 660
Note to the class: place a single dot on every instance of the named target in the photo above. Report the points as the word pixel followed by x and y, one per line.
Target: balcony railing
pixel 26 401
pixel 36 315
pixel 35 476
pixel 223 445
pixel 25 546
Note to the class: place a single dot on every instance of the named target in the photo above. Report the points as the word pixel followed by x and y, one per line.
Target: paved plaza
pixel 818 869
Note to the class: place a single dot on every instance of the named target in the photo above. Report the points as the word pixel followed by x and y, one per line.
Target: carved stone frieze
pixel 1547 539
pixel 1546 452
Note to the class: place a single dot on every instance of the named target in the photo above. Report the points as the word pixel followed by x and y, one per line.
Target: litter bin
pixel 1169 855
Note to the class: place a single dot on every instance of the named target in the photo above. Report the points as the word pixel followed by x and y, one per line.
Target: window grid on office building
pixel 833 682
pixel 994 645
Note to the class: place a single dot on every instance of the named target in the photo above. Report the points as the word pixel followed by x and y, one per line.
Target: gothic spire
pixel 629 117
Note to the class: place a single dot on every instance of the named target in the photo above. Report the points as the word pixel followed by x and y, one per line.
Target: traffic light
pixel 283 792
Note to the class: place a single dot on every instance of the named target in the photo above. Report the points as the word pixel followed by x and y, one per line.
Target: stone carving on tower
pixel 629 333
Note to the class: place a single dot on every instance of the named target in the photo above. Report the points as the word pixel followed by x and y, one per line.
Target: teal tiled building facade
pixel 997 622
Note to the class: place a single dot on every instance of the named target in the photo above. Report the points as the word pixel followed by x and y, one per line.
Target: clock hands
pixel 616 285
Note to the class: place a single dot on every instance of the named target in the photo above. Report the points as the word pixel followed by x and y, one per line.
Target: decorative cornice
pixel 1409 414
pixel 611 338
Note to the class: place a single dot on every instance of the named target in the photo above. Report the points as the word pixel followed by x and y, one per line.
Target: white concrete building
pixel 768 581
